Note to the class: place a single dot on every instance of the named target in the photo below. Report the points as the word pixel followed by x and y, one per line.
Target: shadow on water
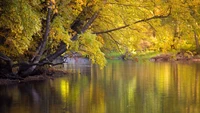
pixel 6 100
pixel 122 87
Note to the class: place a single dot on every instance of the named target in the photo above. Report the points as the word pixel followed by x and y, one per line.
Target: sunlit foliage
pixel 130 26
pixel 19 21
pixel 88 45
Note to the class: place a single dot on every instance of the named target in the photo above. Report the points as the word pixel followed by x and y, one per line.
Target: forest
pixel 33 33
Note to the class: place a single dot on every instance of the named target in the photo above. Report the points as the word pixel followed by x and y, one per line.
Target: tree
pixel 34 33
pixel 58 32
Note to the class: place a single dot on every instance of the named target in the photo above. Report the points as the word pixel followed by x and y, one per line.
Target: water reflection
pixel 122 87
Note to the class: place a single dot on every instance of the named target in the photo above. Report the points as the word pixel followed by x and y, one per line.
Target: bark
pixel 62 47
pixel 87 25
pixel 53 56
pixel 25 72
pixel 45 37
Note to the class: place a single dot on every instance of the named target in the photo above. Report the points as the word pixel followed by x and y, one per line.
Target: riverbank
pixel 154 57
pixel 48 74
pixel 182 57
pixel 158 57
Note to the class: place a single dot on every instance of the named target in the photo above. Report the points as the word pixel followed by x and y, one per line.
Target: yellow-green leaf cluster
pixel 21 22
pixel 58 33
pixel 89 46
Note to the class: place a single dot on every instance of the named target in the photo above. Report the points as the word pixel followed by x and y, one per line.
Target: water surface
pixel 122 87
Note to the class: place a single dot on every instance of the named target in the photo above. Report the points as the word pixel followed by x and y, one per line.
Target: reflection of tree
pixel 122 87
pixel 184 88
pixel 196 84
pixel 6 101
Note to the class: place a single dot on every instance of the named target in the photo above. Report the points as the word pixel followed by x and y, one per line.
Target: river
pixel 121 87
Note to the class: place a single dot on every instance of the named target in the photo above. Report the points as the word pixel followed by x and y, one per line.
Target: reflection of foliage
pixel 59 33
pixel 126 87
pixel 64 87
pixel 122 87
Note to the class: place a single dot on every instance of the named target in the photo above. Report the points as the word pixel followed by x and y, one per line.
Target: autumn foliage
pixel 38 31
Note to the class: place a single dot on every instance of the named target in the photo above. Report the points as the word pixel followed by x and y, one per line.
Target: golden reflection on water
pixel 64 89
pixel 122 87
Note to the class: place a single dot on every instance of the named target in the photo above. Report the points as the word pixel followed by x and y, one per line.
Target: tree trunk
pixel 53 56
pixel 87 25
pixel 42 46
pixel 196 41
pixel 62 47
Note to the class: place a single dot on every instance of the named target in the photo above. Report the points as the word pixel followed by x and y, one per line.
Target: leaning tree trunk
pixel 41 48
pixel 62 47
pixel 37 60
pixel 6 65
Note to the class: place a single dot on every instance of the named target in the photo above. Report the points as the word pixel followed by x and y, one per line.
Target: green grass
pixel 147 55
pixel 113 55
pixel 139 56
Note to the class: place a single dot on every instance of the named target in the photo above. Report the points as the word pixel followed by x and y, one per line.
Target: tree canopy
pixel 93 28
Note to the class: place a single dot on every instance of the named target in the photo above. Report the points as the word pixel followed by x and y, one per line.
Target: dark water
pixel 122 87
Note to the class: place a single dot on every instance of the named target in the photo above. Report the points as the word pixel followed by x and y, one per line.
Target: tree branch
pixel 121 4
pixel 42 46
pixel 139 21
pixel 151 18
pixel 87 25
pixel 115 29
pixel 62 47
pixel 41 49
pixel 59 52
pixel 116 42
pixel 4 57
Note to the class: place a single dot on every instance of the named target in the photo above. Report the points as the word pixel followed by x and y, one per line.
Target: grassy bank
pixel 139 56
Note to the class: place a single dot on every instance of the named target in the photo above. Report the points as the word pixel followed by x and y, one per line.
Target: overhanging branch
pixel 87 25
pixel 115 29
pixel 139 21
